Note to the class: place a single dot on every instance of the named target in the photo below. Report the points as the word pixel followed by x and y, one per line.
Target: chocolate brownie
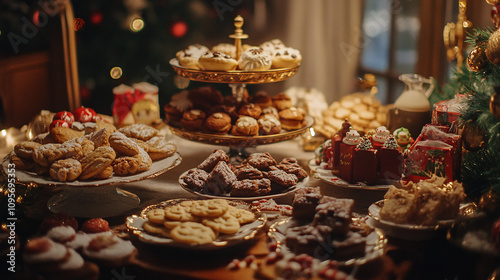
pixel 195 179
pixel 304 203
pixel 261 161
pixel 220 179
pixel 282 178
pixel 211 161
pixel 251 187
pixel 335 213
pixel 246 171
pixel 295 169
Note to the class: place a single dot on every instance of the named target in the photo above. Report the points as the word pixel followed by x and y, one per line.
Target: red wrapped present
pixel 364 163
pixel 427 158
pixel 390 161
pixel 447 112
pixel 336 140
pixel 346 151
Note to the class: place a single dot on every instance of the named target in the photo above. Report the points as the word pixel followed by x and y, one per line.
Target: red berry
pixel 84 115
pixel 65 116
pixel 60 123
pixel 95 225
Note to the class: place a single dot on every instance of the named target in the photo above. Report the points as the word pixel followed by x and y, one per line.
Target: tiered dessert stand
pixel 237 80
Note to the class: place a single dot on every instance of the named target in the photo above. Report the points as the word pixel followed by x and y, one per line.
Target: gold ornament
pixel 493 2
pixel 495 104
pixel 477 58
pixel 493 48
pixel 490 203
pixel 472 137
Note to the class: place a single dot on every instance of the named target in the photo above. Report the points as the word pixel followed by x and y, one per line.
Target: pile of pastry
pixel 423 203
pixel 66 250
pixel 257 175
pixel 196 222
pixel 222 57
pixel 204 109
pixel 364 112
pixel 67 154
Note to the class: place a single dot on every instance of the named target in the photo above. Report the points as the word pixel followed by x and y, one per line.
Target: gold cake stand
pixel 237 80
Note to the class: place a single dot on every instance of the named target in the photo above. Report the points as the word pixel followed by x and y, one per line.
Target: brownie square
pixel 220 179
pixel 211 161
pixel 251 187
pixel 195 179
pixel 261 161
pixel 335 213
pixel 246 171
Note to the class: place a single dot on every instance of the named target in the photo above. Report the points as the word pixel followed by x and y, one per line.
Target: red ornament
pixel 84 115
pixel 65 116
pixel 96 18
pixel 61 123
pixel 495 16
pixel 178 29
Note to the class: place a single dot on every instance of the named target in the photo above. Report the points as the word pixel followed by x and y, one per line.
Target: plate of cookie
pixel 258 176
pixel 204 224
pixel 102 157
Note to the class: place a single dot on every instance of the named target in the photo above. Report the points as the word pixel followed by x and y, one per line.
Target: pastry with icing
pixel 254 59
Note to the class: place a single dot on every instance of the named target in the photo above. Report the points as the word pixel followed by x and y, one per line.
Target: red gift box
pixel 346 152
pixel 364 166
pixel 390 164
pixel 447 112
pixel 427 158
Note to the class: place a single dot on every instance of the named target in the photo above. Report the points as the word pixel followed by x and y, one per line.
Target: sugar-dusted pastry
pixel 285 58
pixel 159 147
pixel 109 250
pixel 218 123
pixel 226 48
pixel 269 124
pixel 254 60
pixel 25 149
pixel 62 134
pixel 217 61
pixel 65 170
pixel 193 120
pixel 139 131
pixel 245 126
pixel 292 118
pixel 97 161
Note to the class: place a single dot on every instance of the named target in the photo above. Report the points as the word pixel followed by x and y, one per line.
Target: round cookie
pixel 292 118
pixel 243 216
pixel 254 59
pixel 227 224
pixel 193 120
pixel 269 124
pixel 123 166
pixel 192 233
pixel 218 123
pixel 282 101
pixel 156 216
pixel 209 208
pixel 217 61
pixel 156 229
pixel 285 58
pixel 245 126
pixel 251 110
pixel 65 170
pixel 180 213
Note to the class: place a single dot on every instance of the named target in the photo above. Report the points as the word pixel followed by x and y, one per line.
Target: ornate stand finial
pixel 238 35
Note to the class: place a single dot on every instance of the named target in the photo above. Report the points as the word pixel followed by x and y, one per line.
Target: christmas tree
pixel 479 81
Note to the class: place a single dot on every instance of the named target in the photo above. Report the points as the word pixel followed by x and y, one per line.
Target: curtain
pixel 328 34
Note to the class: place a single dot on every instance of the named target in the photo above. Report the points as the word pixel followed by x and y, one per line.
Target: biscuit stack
pixel 363 111
pixel 196 222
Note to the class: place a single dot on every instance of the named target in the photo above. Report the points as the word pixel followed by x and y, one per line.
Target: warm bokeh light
pixel 116 72
pixel 137 25
pixel 179 29
pixel 78 24
pixel 3 132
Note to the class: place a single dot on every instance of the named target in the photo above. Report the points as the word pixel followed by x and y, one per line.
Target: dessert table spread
pixel 434 258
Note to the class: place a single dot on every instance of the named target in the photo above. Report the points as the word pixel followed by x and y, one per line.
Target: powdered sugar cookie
pixel 65 170
pixel 140 131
